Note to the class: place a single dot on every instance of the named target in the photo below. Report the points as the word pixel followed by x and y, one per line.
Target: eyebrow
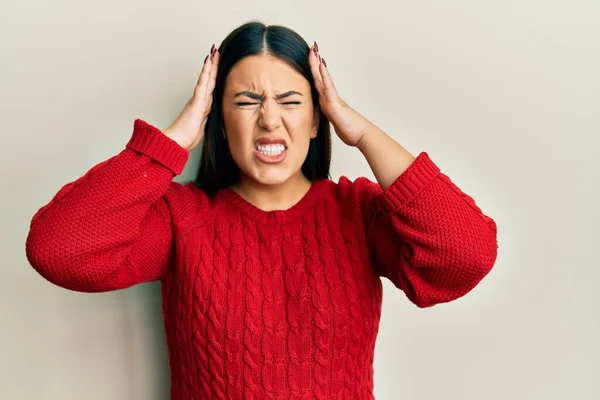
pixel 257 96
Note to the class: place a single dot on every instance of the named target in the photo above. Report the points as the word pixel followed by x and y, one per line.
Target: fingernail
pixel 316 46
pixel 324 63
pixel 212 49
pixel 205 59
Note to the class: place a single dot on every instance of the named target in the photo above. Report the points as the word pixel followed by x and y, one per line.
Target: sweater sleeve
pixel 426 236
pixel 111 228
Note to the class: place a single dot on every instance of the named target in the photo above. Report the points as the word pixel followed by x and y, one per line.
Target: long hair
pixel 217 168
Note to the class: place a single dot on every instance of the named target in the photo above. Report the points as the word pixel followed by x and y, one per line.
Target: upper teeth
pixel 270 149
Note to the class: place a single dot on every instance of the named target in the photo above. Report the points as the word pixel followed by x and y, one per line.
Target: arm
pixel 425 235
pixel 111 228
pixel 386 157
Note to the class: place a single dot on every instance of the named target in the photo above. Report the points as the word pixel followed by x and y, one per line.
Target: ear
pixel 315 125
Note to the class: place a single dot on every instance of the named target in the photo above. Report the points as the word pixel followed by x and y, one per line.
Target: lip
pixel 269 140
pixel 270 159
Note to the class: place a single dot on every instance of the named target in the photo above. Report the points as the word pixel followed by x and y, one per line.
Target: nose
pixel 270 117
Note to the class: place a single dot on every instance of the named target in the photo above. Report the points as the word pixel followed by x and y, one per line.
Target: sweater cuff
pixel 410 183
pixel 152 142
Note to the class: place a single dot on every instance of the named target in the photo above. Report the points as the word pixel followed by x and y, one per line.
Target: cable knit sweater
pixel 262 304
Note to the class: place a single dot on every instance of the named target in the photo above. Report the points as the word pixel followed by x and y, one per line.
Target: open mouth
pixel 270 151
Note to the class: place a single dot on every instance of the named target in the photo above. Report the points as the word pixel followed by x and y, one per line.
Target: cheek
pixel 299 127
pixel 240 145
pixel 237 121
pixel 302 138
pixel 239 131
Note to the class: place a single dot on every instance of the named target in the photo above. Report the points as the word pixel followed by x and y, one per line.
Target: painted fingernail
pixel 316 46
pixel 205 59
pixel 212 49
pixel 324 63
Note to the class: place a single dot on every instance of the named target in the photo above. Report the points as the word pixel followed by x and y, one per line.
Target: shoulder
pixel 359 189
pixel 355 196
pixel 188 203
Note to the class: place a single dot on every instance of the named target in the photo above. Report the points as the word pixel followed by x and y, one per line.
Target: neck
pixel 273 197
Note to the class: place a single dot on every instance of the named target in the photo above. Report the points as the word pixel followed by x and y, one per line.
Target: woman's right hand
pixel 188 129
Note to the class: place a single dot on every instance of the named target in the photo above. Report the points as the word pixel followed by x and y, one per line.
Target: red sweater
pixel 279 304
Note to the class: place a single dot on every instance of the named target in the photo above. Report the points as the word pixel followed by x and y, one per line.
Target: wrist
pixel 363 143
pixel 177 139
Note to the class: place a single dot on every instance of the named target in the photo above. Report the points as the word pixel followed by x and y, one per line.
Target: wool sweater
pixel 262 304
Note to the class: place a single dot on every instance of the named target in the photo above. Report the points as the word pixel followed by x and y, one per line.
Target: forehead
pixel 264 73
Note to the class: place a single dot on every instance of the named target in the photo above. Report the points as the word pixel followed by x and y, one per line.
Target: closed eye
pixel 241 103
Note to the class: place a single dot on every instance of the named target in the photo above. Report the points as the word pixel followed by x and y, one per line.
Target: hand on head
pixel 188 128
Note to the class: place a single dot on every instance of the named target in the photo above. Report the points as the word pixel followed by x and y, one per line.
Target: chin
pixel 271 176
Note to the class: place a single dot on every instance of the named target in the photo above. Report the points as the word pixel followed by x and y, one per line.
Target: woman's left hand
pixel 349 125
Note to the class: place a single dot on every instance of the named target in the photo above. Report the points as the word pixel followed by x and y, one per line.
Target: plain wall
pixel 503 95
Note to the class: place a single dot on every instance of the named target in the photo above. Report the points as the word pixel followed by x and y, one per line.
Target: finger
pixel 206 67
pixel 313 60
pixel 328 84
pixel 212 76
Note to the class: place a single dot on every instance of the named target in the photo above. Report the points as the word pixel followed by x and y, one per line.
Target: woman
pixel 270 271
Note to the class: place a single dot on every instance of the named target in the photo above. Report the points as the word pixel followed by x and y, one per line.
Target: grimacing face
pixel 269 119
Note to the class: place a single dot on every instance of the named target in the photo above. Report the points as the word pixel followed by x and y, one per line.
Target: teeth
pixel 271 149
